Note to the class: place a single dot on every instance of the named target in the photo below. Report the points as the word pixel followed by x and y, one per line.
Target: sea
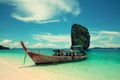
pixel 101 64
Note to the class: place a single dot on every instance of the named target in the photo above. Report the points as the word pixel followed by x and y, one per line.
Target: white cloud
pixel 50 45
pixel 48 40
pixel 47 44
pixel 52 38
pixel 10 43
pixel 37 45
pixel 105 39
pixel 43 11
pixel 6 41
pixel 110 32
pixel 98 39
pixel 41 45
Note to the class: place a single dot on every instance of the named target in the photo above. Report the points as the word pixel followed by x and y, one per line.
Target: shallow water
pixel 101 64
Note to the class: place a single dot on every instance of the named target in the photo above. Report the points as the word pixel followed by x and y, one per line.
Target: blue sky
pixel 47 23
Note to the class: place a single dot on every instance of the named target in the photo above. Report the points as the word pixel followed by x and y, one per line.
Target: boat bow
pixel 24 47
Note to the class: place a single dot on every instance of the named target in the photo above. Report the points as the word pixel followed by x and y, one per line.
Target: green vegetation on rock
pixel 80 36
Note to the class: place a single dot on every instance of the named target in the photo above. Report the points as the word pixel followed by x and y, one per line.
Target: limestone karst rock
pixel 80 36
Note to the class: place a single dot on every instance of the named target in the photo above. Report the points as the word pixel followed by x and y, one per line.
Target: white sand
pixel 9 71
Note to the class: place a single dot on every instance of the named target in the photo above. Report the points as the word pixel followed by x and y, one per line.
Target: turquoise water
pixel 101 64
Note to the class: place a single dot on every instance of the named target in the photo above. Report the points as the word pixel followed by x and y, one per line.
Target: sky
pixel 47 23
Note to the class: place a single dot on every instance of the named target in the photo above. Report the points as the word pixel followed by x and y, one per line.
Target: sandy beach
pixel 10 71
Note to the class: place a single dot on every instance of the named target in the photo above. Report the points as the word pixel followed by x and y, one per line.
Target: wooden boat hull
pixel 39 58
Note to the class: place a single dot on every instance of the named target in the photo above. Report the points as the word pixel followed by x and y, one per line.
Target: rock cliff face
pixel 80 36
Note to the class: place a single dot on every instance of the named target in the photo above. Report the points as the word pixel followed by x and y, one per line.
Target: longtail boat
pixel 59 56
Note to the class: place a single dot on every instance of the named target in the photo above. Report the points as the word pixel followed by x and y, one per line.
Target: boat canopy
pixel 65 50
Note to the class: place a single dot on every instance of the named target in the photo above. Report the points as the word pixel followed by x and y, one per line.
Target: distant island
pixel 4 48
pixel 106 48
